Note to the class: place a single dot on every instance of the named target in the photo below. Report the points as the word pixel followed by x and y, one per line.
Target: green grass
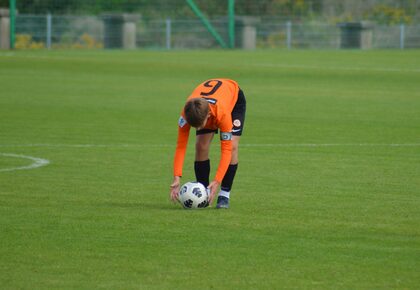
pixel 304 214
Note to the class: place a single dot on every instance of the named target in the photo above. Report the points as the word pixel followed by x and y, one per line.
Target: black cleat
pixel 222 202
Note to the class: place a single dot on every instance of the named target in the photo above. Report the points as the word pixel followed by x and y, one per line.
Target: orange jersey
pixel 221 95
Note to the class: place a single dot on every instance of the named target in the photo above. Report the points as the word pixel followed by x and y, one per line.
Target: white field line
pixel 262 145
pixel 37 162
pixel 352 68
pixel 335 145
pixel 88 145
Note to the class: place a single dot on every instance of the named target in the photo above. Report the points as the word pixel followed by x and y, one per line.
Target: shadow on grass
pixel 160 206
pixel 140 205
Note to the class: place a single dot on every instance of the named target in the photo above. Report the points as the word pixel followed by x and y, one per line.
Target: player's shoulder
pixel 227 81
pixel 224 81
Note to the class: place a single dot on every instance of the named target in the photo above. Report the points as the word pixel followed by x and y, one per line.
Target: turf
pixel 327 193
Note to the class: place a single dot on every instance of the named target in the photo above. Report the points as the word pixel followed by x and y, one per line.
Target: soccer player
pixel 216 104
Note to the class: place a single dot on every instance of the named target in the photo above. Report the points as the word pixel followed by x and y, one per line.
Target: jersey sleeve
pixel 181 145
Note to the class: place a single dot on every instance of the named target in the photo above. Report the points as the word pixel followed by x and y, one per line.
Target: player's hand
pixel 175 188
pixel 213 187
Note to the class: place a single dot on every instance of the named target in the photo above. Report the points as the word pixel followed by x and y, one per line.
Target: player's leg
pixel 202 161
pixel 227 181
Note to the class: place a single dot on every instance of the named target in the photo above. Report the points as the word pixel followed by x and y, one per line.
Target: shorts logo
pixel 225 136
pixel 237 123
pixel 181 122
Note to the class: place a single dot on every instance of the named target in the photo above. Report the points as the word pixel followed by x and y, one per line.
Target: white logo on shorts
pixel 237 123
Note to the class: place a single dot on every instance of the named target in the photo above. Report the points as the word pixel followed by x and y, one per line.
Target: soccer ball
pixel 193 195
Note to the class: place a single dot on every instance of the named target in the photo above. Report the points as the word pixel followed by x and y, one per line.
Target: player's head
pixel 196 112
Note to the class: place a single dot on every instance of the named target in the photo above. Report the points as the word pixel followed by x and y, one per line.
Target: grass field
pixel 327 194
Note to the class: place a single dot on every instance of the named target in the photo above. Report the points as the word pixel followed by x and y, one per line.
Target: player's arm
pixel 225 157
pixel 181 148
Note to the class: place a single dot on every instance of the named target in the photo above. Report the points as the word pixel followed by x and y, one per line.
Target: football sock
pixel 224 193
pixel 202 171
pixel 227 181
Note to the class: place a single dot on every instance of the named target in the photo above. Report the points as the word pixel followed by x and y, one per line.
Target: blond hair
pixel 196 111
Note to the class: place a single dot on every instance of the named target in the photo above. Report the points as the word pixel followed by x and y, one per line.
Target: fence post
pixel 12 15
pixel 49 29
pixel 231 24
pixel 4 28
pixel 289 34
pixel 207 23
pixel 402 35
pixel 168 33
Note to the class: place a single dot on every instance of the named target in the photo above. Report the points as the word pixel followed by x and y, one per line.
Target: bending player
pixel 216 104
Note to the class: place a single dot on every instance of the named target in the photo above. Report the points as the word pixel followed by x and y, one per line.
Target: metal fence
pixel 53 32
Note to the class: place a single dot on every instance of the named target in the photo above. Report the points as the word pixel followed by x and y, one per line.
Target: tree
pixel 4 3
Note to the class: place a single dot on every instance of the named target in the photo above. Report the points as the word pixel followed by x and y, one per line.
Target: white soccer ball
pixel 193 195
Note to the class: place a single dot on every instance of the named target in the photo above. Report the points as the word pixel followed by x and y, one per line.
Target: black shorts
pixel 238 117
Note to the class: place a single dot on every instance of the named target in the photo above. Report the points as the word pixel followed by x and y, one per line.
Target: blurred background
pixel 203 24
